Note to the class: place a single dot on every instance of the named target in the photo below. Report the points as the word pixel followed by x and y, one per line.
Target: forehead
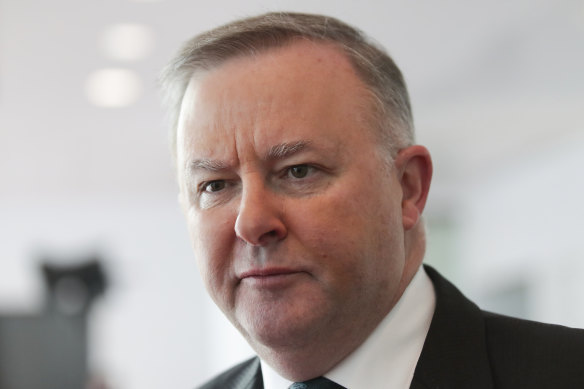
pixel 298 58
pixel 302 89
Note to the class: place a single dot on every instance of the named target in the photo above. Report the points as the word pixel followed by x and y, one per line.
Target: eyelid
pixel 284 172
pixel 201 187
pixel 311 169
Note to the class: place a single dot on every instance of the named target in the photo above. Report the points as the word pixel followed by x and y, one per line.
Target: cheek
pixel 211 246
pixel 328 229
pixel 346 217
pixel 356 233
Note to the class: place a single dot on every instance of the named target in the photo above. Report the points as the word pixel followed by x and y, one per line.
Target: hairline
pixel 387 119
pixel 372 109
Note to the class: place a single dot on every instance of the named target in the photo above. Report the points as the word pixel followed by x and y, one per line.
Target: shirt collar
pixel 388 358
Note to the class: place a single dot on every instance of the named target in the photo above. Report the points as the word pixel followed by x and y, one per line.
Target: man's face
pixel 294 213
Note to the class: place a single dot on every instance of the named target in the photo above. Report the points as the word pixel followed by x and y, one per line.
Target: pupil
pixel 300 171
pixel 216 185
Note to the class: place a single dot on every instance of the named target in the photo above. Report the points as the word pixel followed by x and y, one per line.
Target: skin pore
pixel 305 235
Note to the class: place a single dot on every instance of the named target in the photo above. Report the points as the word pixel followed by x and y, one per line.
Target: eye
pixel 299 171
pixel 214 186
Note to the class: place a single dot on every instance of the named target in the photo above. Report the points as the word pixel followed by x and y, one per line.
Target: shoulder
pixel 242 376
pixel 488 350
pixel 525 353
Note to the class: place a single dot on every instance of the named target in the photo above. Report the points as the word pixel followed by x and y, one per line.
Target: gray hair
pixel 248 37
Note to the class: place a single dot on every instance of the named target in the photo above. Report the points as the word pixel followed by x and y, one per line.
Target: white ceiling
pixel 488 79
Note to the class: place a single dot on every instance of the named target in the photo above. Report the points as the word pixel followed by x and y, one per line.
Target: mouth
pixel 270 277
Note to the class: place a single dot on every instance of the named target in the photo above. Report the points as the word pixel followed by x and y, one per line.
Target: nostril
pixel 269 236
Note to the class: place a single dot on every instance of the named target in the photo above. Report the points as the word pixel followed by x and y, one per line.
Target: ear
pixel 414 169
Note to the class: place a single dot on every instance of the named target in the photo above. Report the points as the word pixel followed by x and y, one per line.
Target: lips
pixel 270 277
pixel 269 272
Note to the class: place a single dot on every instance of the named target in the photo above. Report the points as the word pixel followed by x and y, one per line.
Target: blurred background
pixel 88 199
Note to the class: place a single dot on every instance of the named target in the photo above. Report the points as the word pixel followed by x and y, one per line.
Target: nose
pixel 259 220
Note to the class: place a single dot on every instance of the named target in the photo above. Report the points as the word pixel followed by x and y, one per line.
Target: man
pixel 303 191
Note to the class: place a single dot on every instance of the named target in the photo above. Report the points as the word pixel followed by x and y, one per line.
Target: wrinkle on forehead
pixel 281 93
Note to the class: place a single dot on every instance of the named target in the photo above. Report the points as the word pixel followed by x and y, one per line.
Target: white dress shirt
pixel 388 358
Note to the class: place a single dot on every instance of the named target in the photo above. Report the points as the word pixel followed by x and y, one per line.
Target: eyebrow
pixel 284 150
pixel 207 164
pixel 276 152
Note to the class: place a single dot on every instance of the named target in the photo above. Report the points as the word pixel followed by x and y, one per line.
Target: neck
pixel 309 361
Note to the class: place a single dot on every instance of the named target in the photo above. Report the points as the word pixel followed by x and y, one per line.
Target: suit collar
pixel 252 377
pixel 455 352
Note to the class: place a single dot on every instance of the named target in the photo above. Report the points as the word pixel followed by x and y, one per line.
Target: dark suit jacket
pixel 472 349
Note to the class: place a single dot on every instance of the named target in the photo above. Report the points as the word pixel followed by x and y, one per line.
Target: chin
pixel 277 331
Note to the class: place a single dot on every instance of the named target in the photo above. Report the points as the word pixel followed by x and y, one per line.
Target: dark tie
pixel 316 383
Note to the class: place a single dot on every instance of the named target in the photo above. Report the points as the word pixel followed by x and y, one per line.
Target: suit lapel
pixel 252 377
pixel 455 352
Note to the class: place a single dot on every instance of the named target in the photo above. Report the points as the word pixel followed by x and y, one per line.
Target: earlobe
pixel 414 167
pixel 410 215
